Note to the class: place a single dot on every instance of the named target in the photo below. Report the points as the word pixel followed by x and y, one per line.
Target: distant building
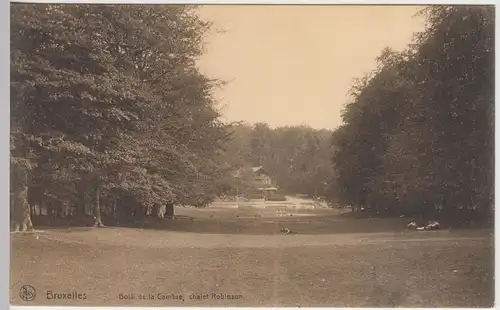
pixel 262 183
pixel 261 177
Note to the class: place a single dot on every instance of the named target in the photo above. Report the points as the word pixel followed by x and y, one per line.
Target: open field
pixel 325 264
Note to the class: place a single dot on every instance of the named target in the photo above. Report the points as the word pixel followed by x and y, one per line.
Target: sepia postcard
pixel 252 155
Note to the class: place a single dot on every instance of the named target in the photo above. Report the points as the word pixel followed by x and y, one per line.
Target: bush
pixel 255 196
pixel 276 197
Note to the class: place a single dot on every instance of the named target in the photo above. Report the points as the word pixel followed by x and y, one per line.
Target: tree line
pixel 298 158
pixel 418 133
pixel 109 114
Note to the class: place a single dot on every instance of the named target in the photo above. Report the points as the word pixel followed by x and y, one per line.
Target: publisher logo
pixel 27 293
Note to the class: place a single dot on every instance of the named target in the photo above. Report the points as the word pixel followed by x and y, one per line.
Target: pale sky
pixel 293 65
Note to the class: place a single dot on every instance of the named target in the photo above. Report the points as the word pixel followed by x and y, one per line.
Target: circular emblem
pixel 27 292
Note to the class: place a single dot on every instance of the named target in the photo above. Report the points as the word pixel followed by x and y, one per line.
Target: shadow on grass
pixel 250 224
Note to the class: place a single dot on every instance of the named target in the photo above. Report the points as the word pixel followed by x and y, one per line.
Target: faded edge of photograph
pixel 252 155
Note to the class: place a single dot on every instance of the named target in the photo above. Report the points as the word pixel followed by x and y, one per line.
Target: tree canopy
pixel 418 132
pixel 108 98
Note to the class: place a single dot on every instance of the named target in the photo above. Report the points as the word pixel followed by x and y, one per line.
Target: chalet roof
pixel 255 169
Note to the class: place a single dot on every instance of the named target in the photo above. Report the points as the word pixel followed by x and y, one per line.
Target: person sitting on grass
pixel 287 231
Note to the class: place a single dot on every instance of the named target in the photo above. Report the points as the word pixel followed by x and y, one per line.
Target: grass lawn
pixel 319 268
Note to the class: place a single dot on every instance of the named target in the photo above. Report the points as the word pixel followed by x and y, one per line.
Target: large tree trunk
pixel 169 209
pixel 159 210
pixel 97 208
pixel 81 206
pixel 22 210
